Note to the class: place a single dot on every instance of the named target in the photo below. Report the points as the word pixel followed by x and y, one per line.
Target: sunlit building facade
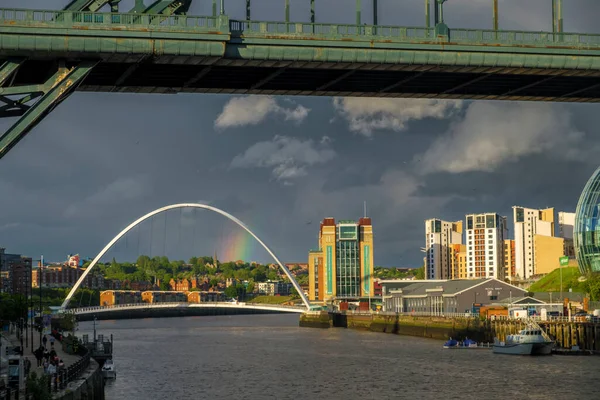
pixel 440 236
pixel 509 259
pixel 528 223
pixel 587 229
pixel 485 236
pixel 342 267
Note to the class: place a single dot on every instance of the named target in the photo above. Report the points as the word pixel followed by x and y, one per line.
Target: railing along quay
pixel 59 380
pixel 537 318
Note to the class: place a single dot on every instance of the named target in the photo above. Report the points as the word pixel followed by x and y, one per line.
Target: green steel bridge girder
pixel 165 7
pixel 90 5
pixel 49 95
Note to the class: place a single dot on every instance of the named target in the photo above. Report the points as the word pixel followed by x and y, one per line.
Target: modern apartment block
pixel 342 267
pixel 439 238
pixel 485 245
pixel 529 222
pixel 509 259
pixel 566 226
pixel 566 223
pixel 459 261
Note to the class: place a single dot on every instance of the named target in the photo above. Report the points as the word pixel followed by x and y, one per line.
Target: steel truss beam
pixel 50 95
pixel 401 82
pixel 165 7
pixel 91 5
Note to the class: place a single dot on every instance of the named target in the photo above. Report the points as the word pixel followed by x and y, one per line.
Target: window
pixel 493 297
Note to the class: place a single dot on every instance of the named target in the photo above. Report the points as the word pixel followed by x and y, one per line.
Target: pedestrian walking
pixel 52 341
pixel 44 340
pixel 26 366
pixel 39 354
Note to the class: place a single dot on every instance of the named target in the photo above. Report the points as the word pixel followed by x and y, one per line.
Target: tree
pixel 231 292
pixel 250 287
pixel 273 275
pixel 592 286
pixel 259 275
pixel 38 387
pixel 420 273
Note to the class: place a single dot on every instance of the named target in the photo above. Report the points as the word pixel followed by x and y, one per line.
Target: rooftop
pixel 454 286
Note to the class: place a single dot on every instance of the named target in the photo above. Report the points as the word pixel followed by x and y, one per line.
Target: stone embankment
pixel 586 335
pixel 428 327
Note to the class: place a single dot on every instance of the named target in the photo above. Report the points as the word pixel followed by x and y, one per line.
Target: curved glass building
pixel 587 227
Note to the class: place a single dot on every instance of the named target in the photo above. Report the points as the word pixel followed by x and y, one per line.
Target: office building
pixel 342 267
pixel 485 236
pixel 439 238
pixel 509 259
pixel 529 222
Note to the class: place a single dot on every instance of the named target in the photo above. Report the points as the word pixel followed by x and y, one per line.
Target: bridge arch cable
pixel 151 214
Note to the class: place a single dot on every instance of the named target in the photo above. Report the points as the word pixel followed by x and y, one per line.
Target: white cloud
pixel 365 115
pixel 493 133
pixel 112 195
pixel 288 157
pixel 393 202
pixel 252 110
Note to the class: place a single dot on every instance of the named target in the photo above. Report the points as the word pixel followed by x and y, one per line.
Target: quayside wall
pixel 428 327
pixel 89 386
pixel 567 334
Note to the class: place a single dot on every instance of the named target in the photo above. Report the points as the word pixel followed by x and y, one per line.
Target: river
pixel 270 357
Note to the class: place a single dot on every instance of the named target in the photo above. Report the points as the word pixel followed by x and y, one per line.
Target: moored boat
pixel 450 344
pixel 108 370
pixel 465 344
pixel 529 341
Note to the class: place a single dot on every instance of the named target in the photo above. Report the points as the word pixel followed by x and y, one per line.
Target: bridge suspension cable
pixel 176 206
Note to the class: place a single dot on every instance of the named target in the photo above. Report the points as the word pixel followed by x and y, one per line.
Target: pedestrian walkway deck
pixel 34 343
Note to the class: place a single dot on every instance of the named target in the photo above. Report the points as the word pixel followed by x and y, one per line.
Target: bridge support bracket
pixel 49 95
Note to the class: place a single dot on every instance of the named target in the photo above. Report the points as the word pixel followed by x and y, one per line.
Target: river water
pixel 270 357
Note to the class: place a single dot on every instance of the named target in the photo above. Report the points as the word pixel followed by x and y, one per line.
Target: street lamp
pixel 41 273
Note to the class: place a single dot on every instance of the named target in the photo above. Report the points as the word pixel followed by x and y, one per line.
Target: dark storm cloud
pixel 100 161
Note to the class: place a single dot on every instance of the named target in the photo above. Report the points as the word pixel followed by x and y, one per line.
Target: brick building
pixel 61 276
pixel 15 273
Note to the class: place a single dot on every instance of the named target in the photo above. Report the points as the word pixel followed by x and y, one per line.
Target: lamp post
pixel 41 326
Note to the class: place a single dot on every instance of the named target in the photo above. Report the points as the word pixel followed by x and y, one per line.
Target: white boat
pixel 528 342
pixel 108 370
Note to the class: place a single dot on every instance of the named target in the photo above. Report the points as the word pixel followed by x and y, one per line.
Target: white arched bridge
pixel 158 305
pixel 208 306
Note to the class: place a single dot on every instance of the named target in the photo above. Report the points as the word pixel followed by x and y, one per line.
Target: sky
pixel 281 164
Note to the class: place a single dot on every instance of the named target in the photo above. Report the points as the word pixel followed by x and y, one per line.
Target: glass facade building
pixel 348 261
pixel 587 229
pixel 342 267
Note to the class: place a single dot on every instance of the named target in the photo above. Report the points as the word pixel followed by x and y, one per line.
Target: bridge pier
pixel 49 94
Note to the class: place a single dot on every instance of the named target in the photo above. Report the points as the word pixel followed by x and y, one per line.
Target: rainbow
pixel 236 245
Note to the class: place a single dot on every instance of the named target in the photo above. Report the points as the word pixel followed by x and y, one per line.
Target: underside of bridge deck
pixel 227 76
pixel 31 88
